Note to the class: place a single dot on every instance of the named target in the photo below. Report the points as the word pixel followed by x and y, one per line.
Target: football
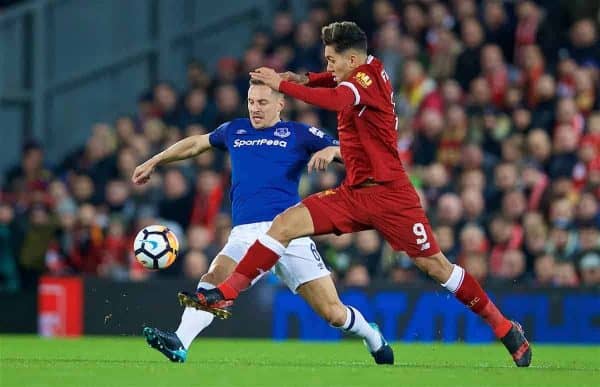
pixel 155 247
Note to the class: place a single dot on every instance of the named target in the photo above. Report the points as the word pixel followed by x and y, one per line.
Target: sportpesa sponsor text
pixel 237 143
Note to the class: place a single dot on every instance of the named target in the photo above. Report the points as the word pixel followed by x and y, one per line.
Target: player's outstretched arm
pixel 335 99
pixel 290 76
pixel 321 159
pixel 184 149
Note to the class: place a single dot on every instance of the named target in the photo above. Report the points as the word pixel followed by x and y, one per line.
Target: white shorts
pixel 300 263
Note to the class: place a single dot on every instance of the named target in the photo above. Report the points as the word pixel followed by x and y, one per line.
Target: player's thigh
pixel 300 263
pixel 295 222
pixel 402 221
pixel 334 211
pixel 323 298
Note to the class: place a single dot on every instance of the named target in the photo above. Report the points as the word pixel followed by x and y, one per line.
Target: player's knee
pixel 211 278
pixel 281 228
pixel 436 266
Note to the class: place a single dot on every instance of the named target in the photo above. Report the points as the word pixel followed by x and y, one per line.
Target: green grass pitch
pixel 128 361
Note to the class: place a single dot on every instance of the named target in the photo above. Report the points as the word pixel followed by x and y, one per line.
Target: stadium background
pixel 499 128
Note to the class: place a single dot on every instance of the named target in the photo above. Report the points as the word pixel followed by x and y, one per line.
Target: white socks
pixel 455 280
pixel 356 323
pixel 194 321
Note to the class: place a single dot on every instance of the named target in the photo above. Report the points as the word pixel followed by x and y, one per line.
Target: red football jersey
pixel 367 129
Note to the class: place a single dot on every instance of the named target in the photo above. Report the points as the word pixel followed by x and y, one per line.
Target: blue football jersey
pixel 266 165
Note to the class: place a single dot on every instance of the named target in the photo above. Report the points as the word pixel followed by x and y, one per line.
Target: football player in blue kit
pixel 268 156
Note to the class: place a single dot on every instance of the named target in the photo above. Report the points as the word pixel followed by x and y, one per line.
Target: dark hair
pixel 255 82
pixel 343 36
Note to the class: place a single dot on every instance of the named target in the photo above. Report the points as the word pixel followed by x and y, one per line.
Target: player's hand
pixel 142 172
pixel 321 159
pixel 268 76
pixel 293 77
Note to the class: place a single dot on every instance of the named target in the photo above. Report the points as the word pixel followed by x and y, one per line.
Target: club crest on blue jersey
pixel 241 131
pixel 282 132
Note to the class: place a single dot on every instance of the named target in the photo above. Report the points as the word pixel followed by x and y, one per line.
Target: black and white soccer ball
pixel 155 247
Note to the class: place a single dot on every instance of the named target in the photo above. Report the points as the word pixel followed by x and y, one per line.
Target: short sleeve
pixel 218 137
pixel 364 87
pixel 316 139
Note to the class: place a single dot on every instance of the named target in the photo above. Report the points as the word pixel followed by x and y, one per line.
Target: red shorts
pixel 391 208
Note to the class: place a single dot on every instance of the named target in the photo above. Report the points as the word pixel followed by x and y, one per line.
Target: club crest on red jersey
pixel 363 79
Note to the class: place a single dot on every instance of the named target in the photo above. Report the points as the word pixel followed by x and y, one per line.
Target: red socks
pixel 259 258
pixel 475 298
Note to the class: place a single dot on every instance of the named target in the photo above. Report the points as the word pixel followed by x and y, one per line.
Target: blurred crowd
pixel 499 128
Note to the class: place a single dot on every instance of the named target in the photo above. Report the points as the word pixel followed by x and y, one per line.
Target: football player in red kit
pixel 376 193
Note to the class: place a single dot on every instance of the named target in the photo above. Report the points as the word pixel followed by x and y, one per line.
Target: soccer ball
pixel 155 247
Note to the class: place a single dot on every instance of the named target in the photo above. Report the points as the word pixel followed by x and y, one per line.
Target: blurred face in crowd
pixel 82 187
pixel 506 176
pixel 589 267
pixel 412 73
pixel 513 264
pixel 445 237
pixel 480 92
pixel 195 264
pixel 6 213
pixel 564 140
pixel 500 229
pixel 545 87
pixel 175 185
pixel 472 239
pixel 491 57
pixel 306 35
pixel 514 204
pixel 544 269
pixel 535 240
pixel 436 176
pixel 117 192
pixel 125 129
pixel 414 19
pixel 32 160
pixel 473 203
pixel 512 148
pixel 264 106
pixel 357 275
pixel 588 207
pixel 207 181
pixel 588 237
pixel 433 123
pixel 86 215
pixel 471 33
pixel 198 238
pixel 565 275
pixel 538 145
pixel 477 266
pixel 196 101
pixel 473 179
pixel 227 98
pixel 368 241
pixel 561 210
pixel 472 156
pixel 566 110
pixel 449 209
pixel 493 14
pixel 451 91
pixel 165 97
pixel 154 131
pixel 583 33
